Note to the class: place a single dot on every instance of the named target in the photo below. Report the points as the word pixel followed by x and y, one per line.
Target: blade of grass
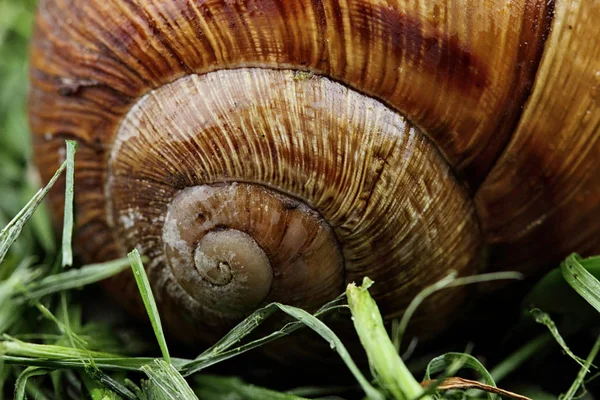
pixel 139 393
pixel 323 330
pixel 148 298
pixel 222 350
pixel 67 252
pixel 211 387
pixel 64 328
pixel 10 233
pixel 451 360
pixel 449 371
pixel 384 359
pixel 449 281
pixel 572 392
pixel 5 370
pixel 98 392
pixel 544 319
pixel 580 279
pixel 165 382
pixel 21 383
pixel 10 310
pixel 103 387
pixel 73 279
pixel 104 363
pixel 12 346
pixel 13 351
pixel 40 222
pixel 71 336
pixel 321 391
pixel 255 319
pixel 554 295
pixel 516 359
pixel 235 335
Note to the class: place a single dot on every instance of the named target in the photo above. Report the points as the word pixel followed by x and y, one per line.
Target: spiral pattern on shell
pixel 276 150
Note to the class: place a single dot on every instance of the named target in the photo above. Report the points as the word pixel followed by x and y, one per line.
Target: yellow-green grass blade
pixel 393 375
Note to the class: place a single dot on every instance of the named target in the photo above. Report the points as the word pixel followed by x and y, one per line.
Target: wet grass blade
pixel 148 298
pixel 132 364
pixel 580 279
pixel 210 387
pixel 21 383
pixel 165 382
pixel 449 281
pixel 572 392
pixel 10 233
pixel 51 356
pixel 323 330
pixel 98 391
pixel 11 346
pixel 103 387
pixel 223 350
pixel 67 252
pixel 10 310
pixel 516 359
pixel 393 374
pixel 74 278
pixel 544 319
pixel 452 362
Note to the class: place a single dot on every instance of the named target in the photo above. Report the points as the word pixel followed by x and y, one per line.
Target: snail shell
pixel 276 150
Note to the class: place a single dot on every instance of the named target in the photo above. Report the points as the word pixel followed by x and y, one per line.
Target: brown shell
pixel 506 90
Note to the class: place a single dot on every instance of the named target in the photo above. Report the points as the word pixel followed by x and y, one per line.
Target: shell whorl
pixel 309 169
pixel 248 242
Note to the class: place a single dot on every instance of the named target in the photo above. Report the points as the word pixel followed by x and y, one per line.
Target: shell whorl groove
pixel 203 98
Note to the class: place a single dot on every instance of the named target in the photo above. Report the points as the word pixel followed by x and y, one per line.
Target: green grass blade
pixel 103 387
pixel 10 233
pixel 64 328
pixel 41 222
pixel 516 359
pixel 582 281
pixel 11 346
pixel 222 350
pixel 241 330
pixel 554 295
pixel 383 357
pixel 449 281
pixel 67 252
pixel 165 382
pixel 572 392
pixel 74 278
pixel 211 387
pixel 148 298
pixel 21 383
pixel 10 310
pixel 398 329
pixel 103 363
pixel 323 330
pixel 450 361
pixel 250 323
pixel 313 392
pixel 544 319
pixel 98 392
